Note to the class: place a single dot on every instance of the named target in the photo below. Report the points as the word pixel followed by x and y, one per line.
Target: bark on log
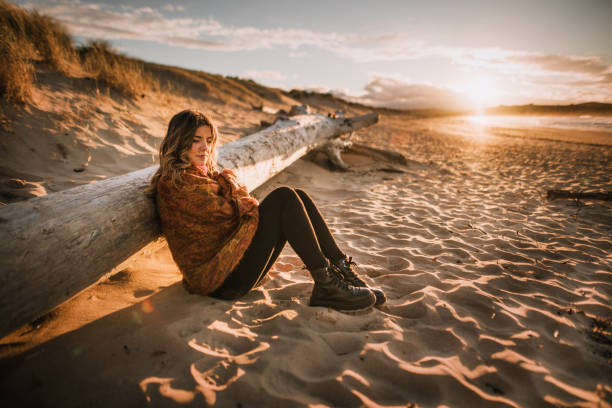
pixel 579 195
pixel 55 246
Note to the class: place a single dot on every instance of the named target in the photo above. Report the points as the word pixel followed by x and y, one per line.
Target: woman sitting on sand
pixel 224 241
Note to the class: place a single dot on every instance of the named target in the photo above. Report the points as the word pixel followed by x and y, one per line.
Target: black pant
pixel 285 214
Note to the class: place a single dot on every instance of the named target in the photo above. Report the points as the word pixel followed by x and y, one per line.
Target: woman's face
pixel 202 145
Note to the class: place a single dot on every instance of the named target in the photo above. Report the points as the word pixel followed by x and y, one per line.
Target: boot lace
pixel 336 277
pixel 346 269
pixel 338 280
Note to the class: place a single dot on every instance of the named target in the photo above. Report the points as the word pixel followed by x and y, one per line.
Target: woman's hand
pixel 245 203
pixel 231 179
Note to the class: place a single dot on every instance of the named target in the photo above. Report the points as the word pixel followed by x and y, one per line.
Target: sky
pixel 399 54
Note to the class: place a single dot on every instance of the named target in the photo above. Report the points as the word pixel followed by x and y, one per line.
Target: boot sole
pixel 380 300
pixel 364 310
pixel 356 312
pixel 344 309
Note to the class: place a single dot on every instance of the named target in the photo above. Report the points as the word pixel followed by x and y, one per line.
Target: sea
pixel 583 122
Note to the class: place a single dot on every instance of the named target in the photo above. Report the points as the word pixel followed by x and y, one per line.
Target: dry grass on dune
pixel 214 88
pixel 17 73
pixel 121 73
pixel 29 37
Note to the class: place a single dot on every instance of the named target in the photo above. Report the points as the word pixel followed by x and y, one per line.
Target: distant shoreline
pixel 590 108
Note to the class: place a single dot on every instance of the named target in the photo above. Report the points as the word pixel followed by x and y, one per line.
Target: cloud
pixel 172 7
pixel 95 20
pixel 105 21
pixel 265 74
pixel 542 77
pixel 394 92
pixel 562 63
pixel 534 63
pixel 297 54
pixel 126 22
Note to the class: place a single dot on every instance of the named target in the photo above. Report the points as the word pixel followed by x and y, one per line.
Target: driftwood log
pixel 333 151
pixel 384 154
pixel 579 195
pixel 55 246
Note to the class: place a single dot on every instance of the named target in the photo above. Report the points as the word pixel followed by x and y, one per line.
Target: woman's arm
pixel 245 203
pixel 207 197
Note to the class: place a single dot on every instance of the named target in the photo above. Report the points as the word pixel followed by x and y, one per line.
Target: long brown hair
pixel 173 150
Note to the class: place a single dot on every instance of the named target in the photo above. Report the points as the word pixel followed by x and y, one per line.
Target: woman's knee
pixel 283 193
pixel 289 190
pixel 283 190
pixel 302 194
pixel 277 199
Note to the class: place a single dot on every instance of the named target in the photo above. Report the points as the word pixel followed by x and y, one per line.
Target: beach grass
pixel 28 38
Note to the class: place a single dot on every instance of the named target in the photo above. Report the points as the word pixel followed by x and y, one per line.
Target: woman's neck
pixel 204 169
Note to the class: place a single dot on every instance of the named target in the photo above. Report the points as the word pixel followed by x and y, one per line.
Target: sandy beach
pixel 498 297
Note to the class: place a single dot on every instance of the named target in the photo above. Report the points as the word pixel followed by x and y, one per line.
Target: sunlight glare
pixel 478 119
pixel 481 92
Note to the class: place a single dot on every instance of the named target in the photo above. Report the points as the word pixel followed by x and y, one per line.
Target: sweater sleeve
pixel 245 203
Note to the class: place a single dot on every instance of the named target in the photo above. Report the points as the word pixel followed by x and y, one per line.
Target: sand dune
pixel 497 296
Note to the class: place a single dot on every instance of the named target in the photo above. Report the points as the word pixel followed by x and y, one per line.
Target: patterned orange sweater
pixel 209 222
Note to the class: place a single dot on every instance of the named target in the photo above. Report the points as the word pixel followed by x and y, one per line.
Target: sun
pixel 481 93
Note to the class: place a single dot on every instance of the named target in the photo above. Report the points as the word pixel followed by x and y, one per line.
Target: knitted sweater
pixel 209 222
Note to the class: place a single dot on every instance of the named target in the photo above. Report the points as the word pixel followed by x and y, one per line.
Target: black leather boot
pixel 330 290
pixel 345 268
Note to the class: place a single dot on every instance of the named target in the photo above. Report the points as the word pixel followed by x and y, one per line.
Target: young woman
pixel 224 241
